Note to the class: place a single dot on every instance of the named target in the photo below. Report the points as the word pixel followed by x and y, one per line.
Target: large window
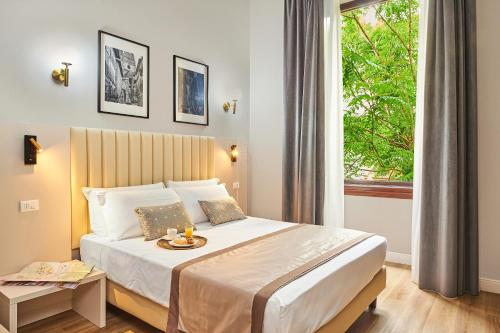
pixel 379 57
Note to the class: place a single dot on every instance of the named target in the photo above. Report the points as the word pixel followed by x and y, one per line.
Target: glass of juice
pixel 188 231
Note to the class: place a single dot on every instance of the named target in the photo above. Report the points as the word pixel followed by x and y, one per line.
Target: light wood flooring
pixel 402 307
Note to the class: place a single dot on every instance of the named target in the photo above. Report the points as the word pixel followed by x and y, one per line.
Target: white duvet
pixel 300 307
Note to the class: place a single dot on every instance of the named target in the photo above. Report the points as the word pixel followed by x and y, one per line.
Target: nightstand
pixel 22 305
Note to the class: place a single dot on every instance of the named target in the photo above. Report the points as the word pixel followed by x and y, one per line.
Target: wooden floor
pixel 402 307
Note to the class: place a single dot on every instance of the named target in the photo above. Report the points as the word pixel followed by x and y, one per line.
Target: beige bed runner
pixel 227 290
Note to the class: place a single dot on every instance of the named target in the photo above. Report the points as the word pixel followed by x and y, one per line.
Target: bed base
pixel 367 298
pixel 156 314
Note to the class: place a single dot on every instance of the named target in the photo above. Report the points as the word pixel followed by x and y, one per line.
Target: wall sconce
pixel 62 74
pixel 234 153
pixel 226 106
pixel 31 148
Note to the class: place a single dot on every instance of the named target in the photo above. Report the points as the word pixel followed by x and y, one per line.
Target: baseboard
pixel 398 258
pixel 489 285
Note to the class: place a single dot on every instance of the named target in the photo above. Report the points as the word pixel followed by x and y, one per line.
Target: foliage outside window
pixel 379 55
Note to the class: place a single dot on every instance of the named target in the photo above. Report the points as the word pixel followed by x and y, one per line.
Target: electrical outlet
pixel 29 205
pixel 236 185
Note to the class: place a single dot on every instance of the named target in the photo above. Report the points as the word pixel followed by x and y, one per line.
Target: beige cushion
pixel 222 210
pixel 155 220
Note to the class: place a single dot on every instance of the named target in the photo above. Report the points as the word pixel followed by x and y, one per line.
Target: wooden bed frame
pixel 111 158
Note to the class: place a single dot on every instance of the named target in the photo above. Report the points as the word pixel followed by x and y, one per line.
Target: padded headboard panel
pixel 111 158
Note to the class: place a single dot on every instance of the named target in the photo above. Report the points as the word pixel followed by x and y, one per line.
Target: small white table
pixel 22 305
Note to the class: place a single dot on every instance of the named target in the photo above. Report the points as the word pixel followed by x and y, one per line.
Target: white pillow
pixel 191 195
pixel 192 183
pixel 94 198
pixel 121 219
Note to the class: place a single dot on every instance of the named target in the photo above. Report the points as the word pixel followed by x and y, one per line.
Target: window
pixel 379 59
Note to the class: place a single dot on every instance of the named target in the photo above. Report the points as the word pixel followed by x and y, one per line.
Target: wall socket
pixel 236 185
pixel 29 205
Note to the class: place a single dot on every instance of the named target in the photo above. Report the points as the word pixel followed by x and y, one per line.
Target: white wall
pixel 388 217
pixel 37 35
pixel 266 105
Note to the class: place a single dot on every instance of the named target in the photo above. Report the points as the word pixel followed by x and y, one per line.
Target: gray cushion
pixel 155 220
pixel 222 210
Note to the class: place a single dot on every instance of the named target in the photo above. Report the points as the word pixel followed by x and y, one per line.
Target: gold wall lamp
pixel 61 75
pixel 234 153
pixel 227 106
pixel 31 148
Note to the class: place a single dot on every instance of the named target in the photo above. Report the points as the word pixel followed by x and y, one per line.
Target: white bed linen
pixel 300 307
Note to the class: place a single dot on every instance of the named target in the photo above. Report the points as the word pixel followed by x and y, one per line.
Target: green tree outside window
pixel 379 45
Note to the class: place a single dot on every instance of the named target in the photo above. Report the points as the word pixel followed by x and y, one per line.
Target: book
pixel 66 272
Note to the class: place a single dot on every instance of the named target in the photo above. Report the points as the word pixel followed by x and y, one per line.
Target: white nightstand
pixel 22 305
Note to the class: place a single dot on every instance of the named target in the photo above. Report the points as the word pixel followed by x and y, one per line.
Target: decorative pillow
pixel 222 211
pixel 119 210
pixel 155 220
pixel 192 183
pixel 94 198
pixel 191 195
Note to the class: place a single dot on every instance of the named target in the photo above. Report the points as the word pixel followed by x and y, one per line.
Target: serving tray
pixel 163 243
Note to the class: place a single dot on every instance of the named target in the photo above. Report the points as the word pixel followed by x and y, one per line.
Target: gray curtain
pixel 304 157
pixel 449 214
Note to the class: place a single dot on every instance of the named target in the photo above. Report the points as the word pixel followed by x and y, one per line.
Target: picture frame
pixel 123 76
pixel 191 79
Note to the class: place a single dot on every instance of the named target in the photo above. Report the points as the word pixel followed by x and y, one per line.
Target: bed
pixel 327 299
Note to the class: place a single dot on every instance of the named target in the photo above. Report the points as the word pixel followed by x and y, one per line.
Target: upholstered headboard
pixel 111 158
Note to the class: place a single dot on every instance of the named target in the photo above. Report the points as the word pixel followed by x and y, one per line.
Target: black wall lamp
pixel 31 148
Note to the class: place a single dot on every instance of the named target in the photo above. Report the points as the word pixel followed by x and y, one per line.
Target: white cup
pixel 171 233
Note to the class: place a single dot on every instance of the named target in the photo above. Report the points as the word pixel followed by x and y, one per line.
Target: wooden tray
pixel 163 243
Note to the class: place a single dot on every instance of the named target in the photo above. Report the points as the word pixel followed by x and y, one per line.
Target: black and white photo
pixel 123 76
pixel 190 91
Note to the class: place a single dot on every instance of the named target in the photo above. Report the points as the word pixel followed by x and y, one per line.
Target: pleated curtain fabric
pixel 304 151
pixel 334 117
pixel 448 219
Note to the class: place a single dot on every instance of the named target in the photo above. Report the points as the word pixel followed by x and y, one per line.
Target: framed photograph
pixel 123 86
pixel 190 91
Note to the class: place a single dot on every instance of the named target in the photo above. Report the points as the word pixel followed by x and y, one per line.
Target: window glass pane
pixel 379 56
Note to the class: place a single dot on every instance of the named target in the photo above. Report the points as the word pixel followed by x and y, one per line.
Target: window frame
pixel 371 188
pixel 356 4
pixel 379 189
